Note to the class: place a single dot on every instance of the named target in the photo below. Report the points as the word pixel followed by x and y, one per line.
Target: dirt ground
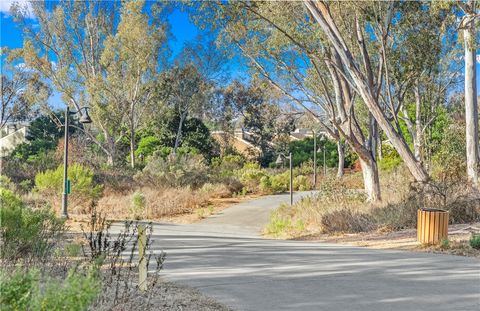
pixel 459 235
pixel 165 296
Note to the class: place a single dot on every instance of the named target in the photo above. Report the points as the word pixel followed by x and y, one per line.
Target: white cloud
pixel 5 6
pixel 478 58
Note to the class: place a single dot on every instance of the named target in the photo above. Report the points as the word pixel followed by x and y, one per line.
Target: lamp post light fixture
pixel 281 157
pixel 84 118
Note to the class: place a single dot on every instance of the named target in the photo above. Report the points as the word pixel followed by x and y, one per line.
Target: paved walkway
pixel 224 257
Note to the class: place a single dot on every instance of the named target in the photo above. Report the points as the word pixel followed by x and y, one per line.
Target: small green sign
pixel 69 189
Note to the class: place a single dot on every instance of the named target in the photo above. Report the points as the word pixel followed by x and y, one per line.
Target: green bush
pixel 226 165
pixel 475 241
pixel 250 175
pixel 302 183
pixel 81 178
pixel 139 203
pixel 17 289
pixel 147 145
pixel 284 225
pixel 26 233
pixel 25 290
pixel 75 293
pixel 391 159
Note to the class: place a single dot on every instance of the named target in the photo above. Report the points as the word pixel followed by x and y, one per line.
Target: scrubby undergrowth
pixel 341 208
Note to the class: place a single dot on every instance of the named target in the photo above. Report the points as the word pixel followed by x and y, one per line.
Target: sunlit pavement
pixel 225 258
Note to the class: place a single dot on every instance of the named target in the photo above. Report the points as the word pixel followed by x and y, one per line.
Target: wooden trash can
pixel 432 225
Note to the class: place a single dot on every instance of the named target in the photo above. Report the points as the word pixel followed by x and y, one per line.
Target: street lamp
pixel 323 140
pixel 279 161
pixel 84 118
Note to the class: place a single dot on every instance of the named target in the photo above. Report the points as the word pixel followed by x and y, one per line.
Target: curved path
pixel 225 257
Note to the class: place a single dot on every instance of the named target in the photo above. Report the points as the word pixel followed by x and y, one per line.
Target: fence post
pixel 142 261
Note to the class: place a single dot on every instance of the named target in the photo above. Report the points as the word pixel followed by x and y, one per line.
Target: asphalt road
pixel 225 258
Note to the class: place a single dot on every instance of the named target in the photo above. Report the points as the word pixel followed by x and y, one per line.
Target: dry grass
pixel 159 203
pixel 341 206
pixel 163 203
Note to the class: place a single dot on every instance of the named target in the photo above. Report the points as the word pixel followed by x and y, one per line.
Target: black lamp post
pixel 279 161
pixel 84 118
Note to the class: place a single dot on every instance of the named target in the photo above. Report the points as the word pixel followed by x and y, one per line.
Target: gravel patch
pixel 164 295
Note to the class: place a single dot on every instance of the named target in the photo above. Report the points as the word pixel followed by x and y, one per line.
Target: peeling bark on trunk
pixel 371 179
pixel 320 12
pixel 471 105
pixel 418 138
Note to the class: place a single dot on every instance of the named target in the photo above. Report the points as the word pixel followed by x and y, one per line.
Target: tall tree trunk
pixel 471 105
pixel 179 133
pixel 418 138
pixel 370 179
pixel 322 15
pixel 132 146
pixel 379 147
pixel 341 159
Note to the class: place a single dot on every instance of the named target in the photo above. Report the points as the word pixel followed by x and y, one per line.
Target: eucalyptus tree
pixel 64 46
pixel 422 68
pixel 286 48
pixel 23 91
pixel 358 60
pixel 471 14
pixel 130 62
pixel 94 57
pixel 184 90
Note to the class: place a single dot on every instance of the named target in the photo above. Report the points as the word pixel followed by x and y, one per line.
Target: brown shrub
pixel 346 220
pixel 158 203
pixel 172 201
pixel 215 190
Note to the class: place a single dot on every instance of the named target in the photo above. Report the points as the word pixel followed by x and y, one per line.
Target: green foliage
pixel 450 159
pixel 160 134
pixel 42 135
pixel 250 175
pixel 475 241
pixel 25 290
pixel 302 183
pixel 81 178
pixel 138 205
pixel 281 225
pixel 445 244
pixel 76 292
pixel 226 165
pixel 26 233
pixel 278 225
pixel 73 249
pixel 391 159
pixel 302 151
pixel 17 289
pixel 147 145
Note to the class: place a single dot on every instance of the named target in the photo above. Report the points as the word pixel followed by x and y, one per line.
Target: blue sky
pixel 182 30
